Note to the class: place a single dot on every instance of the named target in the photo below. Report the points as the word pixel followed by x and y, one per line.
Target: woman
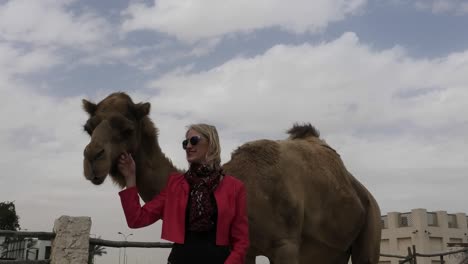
pixel 203 211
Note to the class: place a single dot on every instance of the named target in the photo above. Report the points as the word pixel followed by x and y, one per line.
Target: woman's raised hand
pixel 126 167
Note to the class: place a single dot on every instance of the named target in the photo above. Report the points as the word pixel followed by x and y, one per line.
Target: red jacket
pixel 170 205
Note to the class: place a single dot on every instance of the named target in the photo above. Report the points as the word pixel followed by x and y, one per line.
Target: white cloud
pixel 365 101
pixel 50 22
pixel 196 20
pixel 19 61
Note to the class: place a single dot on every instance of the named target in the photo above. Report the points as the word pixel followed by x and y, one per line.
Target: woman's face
pixel 196 147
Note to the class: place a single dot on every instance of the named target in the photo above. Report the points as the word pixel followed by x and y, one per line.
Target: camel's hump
pixel 303 131
pixel 261 151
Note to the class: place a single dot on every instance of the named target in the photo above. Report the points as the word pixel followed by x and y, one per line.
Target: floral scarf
pixel 202 180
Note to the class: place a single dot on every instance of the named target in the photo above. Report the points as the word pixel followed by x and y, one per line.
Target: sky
pixel 384 81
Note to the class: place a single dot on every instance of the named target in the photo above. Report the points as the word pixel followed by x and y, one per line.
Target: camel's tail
pixel 303 131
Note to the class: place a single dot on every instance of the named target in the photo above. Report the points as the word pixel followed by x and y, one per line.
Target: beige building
pixel 428 231
pixel 25 250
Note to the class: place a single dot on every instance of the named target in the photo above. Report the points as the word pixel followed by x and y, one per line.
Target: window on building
pixel 384 222
pixel 47 252
pixel 432 219
pixel 455 240
pixel 452 221
pixel 405 220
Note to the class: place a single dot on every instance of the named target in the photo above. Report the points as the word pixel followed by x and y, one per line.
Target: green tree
pixel 9 220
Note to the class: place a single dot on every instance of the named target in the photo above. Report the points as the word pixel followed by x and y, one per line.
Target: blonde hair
pixel 213 157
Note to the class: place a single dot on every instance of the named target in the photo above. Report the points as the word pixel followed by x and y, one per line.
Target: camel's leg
pixel 287 252
pixel 366 248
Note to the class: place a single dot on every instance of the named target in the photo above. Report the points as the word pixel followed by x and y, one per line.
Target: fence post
pixel 411 256
pixel 414 254
pixel 71 242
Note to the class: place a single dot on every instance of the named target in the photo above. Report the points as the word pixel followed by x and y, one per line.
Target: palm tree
pixel 95 250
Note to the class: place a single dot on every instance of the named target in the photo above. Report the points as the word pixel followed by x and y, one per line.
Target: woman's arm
pixel 138 216
pixel 239 233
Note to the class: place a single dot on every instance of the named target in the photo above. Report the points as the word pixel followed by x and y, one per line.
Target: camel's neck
pixel 152 166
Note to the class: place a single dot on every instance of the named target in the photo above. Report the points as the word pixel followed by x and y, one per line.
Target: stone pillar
pixel 71 242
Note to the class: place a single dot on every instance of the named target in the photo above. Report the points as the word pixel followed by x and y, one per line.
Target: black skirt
pixel 199 248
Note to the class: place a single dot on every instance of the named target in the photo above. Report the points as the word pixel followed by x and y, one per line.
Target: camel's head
pixel 114 127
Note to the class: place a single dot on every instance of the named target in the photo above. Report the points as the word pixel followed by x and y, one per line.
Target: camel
pixel 303 205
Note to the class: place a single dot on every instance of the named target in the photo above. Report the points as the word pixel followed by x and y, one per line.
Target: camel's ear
pixel 89 107
pixel 142 110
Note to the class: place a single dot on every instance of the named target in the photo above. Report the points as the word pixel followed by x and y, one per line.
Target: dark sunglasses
pixel 193 141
